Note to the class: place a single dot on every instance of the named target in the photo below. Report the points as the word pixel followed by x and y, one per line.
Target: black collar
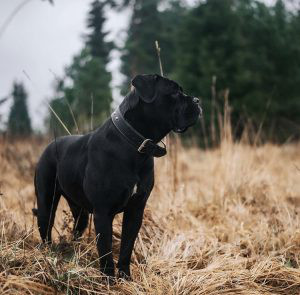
pixel 142 144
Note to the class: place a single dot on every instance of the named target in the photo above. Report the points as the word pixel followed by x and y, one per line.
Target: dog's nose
pixel 196 100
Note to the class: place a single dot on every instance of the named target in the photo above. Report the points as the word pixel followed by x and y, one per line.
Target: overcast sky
pixel 40 40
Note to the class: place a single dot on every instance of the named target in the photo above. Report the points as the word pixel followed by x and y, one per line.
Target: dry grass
pixel 224 221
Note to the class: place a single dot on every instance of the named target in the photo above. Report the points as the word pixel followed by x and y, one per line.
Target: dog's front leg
pixel 132 221
pixel 103 226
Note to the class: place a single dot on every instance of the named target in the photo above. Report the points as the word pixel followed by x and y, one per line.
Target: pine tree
pixel 139 55
pixel 87 78
pixel 90 81
pixel 19 121
pixel 244 43
pixel 150 21
pixel 95 40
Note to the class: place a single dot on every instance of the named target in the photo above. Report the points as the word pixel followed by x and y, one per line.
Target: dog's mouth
pixel 192 121
pixel 178 129
pixel 188 118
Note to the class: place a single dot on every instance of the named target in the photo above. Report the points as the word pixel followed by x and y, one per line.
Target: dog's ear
pixel 145 86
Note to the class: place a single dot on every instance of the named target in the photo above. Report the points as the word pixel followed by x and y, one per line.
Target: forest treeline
pixel 244 49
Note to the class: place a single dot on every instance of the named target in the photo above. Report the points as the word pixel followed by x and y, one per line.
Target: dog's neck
pixel 142 121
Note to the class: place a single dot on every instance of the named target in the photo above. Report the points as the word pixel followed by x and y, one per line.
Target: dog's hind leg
pixel 48 194
pixel 81 218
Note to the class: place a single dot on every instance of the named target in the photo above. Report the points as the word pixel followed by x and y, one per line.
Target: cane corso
pixel 110 170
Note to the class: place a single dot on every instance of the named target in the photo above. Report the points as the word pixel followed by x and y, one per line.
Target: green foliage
pixel 85 87
pixel 148 24
pixel 251 48
pixel 254 52
pixel 18 121
pixel 95 39
pixel 139 54
pixel 171 19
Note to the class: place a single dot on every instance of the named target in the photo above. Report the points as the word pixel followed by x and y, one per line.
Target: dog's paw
pixel 125 275
pixel 46 244
pixel 108 273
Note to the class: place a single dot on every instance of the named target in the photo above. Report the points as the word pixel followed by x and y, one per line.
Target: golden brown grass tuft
pixel 228 224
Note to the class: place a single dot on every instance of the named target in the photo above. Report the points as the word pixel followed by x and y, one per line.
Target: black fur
pixel 97 172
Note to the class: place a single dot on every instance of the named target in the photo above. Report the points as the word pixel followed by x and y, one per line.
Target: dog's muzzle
pixel 196 101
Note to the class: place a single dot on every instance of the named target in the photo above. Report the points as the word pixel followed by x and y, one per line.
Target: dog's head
pixel 165 99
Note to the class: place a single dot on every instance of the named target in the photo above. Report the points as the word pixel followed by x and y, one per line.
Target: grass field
pixel 223 221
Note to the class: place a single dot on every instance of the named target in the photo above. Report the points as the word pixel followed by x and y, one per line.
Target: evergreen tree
pixel 95 40
pixel 171 18
pixel 86 80
pixel 138 54
pixel 254 52
pixel 19 121
pixel 150 21
pixel 252 48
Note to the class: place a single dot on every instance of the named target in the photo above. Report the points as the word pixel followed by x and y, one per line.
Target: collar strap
pixel 142 144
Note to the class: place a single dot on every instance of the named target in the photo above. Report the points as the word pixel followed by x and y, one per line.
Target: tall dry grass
pixel 221 221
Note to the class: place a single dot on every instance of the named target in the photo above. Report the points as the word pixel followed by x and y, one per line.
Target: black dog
pixel 97 172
